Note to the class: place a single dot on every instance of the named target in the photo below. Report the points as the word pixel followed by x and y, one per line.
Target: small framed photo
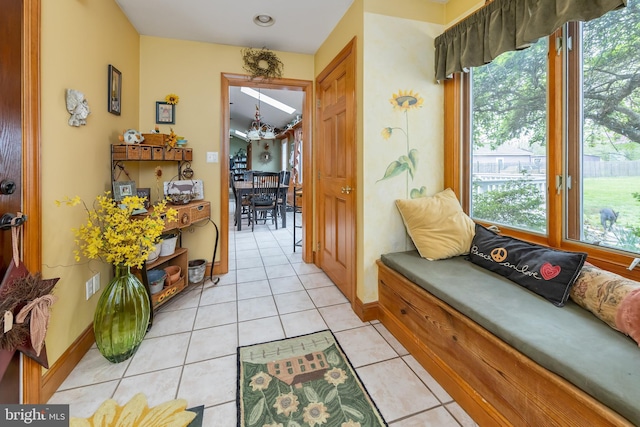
pixel 165 113
pixel 122 189
pixel 144 193
pixel 114 91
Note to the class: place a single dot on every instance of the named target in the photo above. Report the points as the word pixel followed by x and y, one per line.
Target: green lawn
pixel 615 193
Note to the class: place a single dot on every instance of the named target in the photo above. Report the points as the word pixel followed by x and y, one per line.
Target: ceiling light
pixel 267 100
pixel 259 130
pixel 263 20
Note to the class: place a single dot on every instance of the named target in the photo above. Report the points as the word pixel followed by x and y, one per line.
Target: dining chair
pixel 264 197
pixel 245 206
pixel 285 177
pixel 247 175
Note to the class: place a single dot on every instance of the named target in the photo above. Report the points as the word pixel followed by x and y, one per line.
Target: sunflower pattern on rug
pixel 301 381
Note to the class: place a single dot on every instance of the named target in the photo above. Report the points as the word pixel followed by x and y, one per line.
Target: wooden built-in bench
pixel 507 356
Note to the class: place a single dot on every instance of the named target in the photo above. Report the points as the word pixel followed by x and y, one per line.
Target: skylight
pixel 267 100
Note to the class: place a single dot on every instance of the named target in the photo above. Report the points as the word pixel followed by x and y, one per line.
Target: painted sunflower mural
pixel 404 101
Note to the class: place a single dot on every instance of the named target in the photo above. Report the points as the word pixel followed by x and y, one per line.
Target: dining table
pixel 244 189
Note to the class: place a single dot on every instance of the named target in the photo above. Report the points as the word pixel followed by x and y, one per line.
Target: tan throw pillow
pixel 612 298
pixel 437 225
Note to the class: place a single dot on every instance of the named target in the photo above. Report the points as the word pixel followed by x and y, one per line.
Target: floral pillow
pixel 610 297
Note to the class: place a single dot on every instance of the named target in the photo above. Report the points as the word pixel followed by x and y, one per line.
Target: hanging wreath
pixel 261 63
pixel 265 157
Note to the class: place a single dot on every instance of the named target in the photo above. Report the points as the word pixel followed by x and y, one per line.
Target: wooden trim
pixel 457 172
pixel 366 312
pixel 452 136
pixel 554 142
pixel 61 369
pixel 492 381
pixel 305 86
pixel 32 198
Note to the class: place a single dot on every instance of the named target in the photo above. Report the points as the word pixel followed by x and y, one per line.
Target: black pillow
pixel 548 272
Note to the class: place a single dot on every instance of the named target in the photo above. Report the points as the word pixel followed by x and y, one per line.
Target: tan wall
pixel 420 10
pixel 192 70
pixel 353 25
pixel 455 10
pixel 79 41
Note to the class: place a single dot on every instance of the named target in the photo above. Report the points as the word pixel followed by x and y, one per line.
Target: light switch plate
pixel 212 157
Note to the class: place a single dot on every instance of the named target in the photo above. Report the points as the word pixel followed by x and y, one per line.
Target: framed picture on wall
pixel 165 113
pixel 114 95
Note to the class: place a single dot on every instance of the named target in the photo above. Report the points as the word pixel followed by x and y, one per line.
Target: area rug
pixel 302 381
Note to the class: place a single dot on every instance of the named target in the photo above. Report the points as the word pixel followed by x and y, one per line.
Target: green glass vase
pixel 122 316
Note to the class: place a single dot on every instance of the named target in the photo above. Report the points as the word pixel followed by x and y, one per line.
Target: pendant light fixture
pixel 259 130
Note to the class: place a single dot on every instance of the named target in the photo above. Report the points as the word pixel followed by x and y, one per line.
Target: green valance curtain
pixel 506 25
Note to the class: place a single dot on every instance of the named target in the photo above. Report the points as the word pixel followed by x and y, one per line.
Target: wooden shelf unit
pixel 188 214
pixel 147 153
pixel 181 259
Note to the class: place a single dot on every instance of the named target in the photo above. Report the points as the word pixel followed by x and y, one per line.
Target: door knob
pixel 7 186
pixel 9 220
pixel 347 189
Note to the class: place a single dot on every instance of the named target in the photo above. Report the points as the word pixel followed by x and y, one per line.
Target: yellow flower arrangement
pixel 172 99
pixel 113 235
pixel 172 139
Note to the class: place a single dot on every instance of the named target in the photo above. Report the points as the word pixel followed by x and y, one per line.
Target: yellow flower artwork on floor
pixel 404 101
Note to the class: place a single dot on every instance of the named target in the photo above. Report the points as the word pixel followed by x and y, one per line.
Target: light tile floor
pixel 268 294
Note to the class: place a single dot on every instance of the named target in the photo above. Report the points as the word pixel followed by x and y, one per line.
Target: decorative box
pixel 155 138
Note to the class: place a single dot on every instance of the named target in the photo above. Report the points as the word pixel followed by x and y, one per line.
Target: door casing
pixel 306 86
pixel 31 377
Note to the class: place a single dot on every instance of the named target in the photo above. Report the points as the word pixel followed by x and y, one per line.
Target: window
pixel 549 138
pixel 508 134
pixel 604 139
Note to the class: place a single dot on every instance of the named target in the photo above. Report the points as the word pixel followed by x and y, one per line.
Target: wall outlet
pixel 89 288
pixel 92 285
pixel 212 157
pixel 96 282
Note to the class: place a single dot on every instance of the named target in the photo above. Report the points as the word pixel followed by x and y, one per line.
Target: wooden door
pixel 336 171
pixel 10 159
pixel 20 162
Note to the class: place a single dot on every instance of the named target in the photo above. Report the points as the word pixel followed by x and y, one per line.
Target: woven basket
pixel 155 138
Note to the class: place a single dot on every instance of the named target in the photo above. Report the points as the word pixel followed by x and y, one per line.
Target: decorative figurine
pixel 78 107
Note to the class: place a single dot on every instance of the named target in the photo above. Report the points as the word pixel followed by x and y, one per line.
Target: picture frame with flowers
pixel 165 113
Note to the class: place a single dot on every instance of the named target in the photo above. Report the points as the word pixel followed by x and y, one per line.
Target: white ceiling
pixel 300 27
pixel 243 108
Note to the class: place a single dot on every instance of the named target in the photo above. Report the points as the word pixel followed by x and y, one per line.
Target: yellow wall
pixel 192 70
pixel 355 23
pixel 455 10
pixel 79 40
pixel 408 9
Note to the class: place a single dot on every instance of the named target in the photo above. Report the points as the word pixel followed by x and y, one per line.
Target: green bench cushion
pixel 569 341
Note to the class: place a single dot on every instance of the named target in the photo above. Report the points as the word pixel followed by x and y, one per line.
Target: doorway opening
pixel 229 81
